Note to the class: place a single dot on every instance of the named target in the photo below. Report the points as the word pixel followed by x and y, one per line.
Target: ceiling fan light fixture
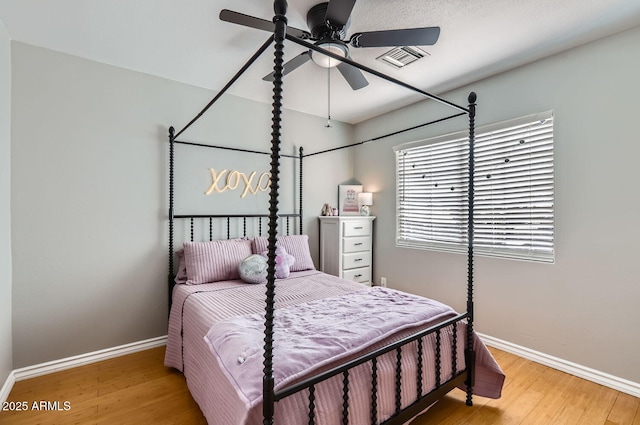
pixel 325 61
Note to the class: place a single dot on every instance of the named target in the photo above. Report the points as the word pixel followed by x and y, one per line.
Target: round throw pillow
pixel 253 269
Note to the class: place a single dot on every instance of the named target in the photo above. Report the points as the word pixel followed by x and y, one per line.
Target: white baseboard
pixel 6 388
pixel 614 382
pixel 75 361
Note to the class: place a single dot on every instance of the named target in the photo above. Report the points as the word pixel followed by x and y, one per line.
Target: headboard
pixel 203 227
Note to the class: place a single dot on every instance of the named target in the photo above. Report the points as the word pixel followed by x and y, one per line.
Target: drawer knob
pixel 357 244
pixel 357 275
pixel 357 259
pixel 358 228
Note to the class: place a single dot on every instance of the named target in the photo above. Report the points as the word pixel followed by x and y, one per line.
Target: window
pixel 514 189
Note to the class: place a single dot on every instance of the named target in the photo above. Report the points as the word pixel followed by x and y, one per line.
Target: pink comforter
pixel 198 309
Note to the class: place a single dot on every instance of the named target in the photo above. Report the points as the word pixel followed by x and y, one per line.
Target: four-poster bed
pixel 403 353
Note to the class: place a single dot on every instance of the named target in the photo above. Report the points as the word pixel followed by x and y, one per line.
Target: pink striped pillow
pixel 215 261
pixel 296 245
pixel 181 276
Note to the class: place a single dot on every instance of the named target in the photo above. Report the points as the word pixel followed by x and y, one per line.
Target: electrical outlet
pixel 383 282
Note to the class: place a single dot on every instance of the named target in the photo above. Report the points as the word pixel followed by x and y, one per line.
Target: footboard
pixel 424 378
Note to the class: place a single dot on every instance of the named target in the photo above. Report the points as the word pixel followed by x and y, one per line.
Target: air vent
pixel 400 57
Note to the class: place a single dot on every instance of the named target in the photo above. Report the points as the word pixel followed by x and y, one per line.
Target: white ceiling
pixel 184 40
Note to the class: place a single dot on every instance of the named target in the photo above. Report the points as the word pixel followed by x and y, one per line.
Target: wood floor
pixel 138 389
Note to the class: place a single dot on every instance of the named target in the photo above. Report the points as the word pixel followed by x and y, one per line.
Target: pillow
pixel 215 261
pixel 253 269
pixel 181 276
pixel 296 245
pixel 284 261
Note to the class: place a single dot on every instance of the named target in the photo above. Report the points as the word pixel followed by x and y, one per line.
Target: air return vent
pixel 400 57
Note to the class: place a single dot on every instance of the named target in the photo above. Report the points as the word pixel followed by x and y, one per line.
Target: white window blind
pixel 514 191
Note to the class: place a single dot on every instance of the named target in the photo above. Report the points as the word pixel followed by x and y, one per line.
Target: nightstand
pixel 346 244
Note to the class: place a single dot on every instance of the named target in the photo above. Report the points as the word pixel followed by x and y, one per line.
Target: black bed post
pixel 470 357
pixel 280 21
pixel 171 281
pixel 300 195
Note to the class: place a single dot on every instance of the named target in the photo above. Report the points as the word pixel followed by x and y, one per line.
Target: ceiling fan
pixel 328 23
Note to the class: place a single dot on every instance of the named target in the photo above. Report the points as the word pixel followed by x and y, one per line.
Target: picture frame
pixel 348 199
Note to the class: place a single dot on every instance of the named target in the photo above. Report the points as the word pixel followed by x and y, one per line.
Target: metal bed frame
pixel 463 377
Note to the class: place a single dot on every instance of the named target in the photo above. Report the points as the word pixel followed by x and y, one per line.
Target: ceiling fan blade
pixel 258 23
pixel 339 12
pixel 392 38
pixel 294 63
pixel 246 20
pixel 353 75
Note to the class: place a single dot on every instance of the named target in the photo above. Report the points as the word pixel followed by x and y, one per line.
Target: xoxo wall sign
pixel 231 180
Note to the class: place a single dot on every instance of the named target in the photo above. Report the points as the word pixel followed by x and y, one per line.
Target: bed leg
pixel 268 400
pixel 470 359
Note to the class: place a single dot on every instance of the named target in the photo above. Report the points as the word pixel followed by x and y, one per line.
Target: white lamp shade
pixel 365 198
pixel 327 61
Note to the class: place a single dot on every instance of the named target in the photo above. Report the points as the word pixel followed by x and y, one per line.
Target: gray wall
pixel 6 362
pixel 89 192
pixel 584 307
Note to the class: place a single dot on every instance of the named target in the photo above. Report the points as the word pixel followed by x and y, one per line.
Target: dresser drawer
pixel 354 244
pixel 356 259
pixel 361 275
pixel 357 228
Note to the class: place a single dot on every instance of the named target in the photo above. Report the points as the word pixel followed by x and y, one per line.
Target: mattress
pixel 196 308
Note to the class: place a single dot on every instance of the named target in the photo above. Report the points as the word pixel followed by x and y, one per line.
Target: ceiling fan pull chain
pixel 328 98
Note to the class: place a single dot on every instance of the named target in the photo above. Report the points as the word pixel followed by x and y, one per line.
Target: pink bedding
pixel 197 308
